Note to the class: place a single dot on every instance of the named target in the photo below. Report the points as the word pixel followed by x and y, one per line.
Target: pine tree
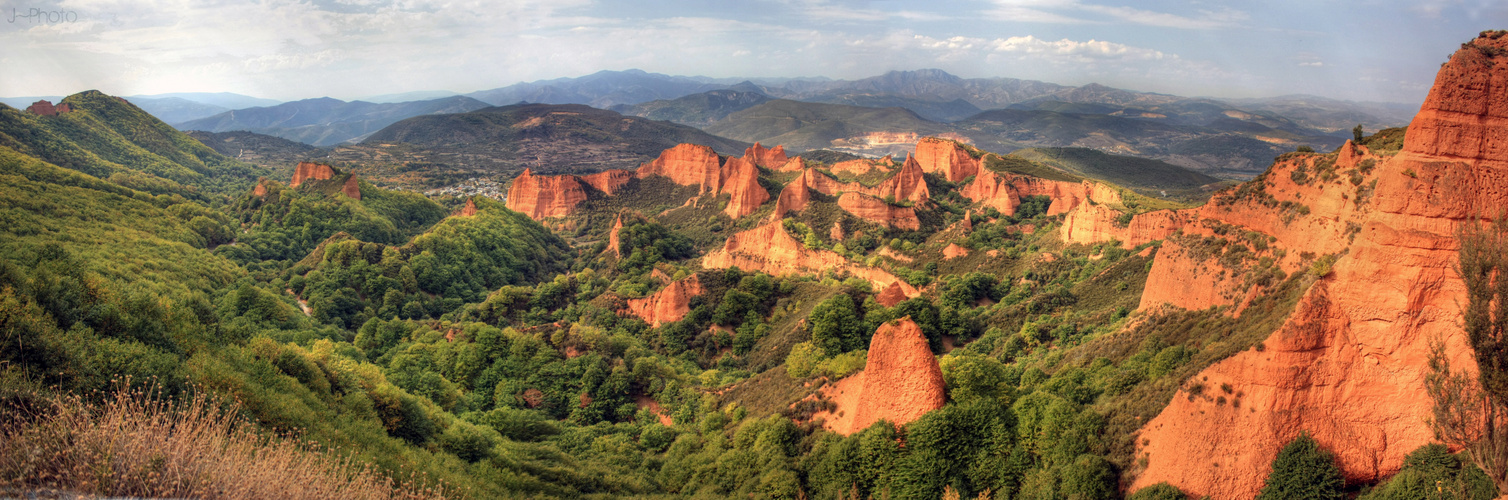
pixel 1303 470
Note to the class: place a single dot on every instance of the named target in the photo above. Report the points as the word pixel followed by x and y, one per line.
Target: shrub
pixel 1303 470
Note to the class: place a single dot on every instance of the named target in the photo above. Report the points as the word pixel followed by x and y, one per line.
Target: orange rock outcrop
pixel 947 158
pixel 351 188
pixel 608 181
pixel 953 251
pixel 668 305
pixel 860 167
pixel 795 164
pixel 544 196
pixel 468 210
pixel 309 170
pixel 772 158
pixel 614 240
pixel 1004 192
pixel 1348 365
pixel 1093 223
pixel 769 248
pixel 740 179
pixel 261 190
pixel 879 211
pixel 42 108
pixel 902 380
pixel 891 295
pixel 687 165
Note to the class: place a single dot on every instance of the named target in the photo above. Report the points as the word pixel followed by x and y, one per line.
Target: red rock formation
pixel 614 243
pixel 668 305
pixel 42 108
pixel 1092 223
pixel 261 190
pixel 1348 365
pixel 1004 192
pixel 740 179
pixel 470 208
pixel 308 170
pixel 878 211
pixel 687 165
pixel 860 167
pixel 793 198
pixel 891 295
pixel 836 233
pixel 351 188
pixel 767 158
pixel 64 107
pixel 769 248
pixel 795 164
pixel 947 158
pixel 540 196
pixel 953 251
pixel 902 380
pixel 608 181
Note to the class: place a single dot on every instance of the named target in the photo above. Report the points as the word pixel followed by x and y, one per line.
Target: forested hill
pixel 109 138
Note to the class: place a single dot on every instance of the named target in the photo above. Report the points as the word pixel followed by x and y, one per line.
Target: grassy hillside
pixel 109 138
pixel 696 110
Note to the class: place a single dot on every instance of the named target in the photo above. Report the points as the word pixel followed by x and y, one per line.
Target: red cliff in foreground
pixel 667 305
pixel 901 381
pixel 1348 365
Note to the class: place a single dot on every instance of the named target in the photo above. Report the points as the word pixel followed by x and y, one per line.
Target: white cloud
pixel 1075 12
pixel 1313 64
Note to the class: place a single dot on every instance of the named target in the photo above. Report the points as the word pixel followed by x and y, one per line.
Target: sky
pixel 1361 50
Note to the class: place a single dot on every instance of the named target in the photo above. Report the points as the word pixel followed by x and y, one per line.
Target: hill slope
pixel 109 138
pixel 550 138
pixel 326 121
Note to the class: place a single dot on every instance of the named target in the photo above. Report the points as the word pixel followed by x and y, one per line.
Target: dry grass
pixel 140 444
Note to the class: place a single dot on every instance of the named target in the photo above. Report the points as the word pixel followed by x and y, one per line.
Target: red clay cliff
pixel 1348 365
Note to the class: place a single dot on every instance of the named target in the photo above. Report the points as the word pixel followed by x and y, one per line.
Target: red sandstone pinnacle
pixel 740 179
pixel 902 380
pixel 540 196
pixel 793 198
pixel 766 157
pixel 1348 366
pixel 309 170
pixel 946 157
pixel 613 239
pixel 668 305
pixel 260 191
pixel 470 208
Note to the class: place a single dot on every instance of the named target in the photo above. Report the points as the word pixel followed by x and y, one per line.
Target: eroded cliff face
pixel 772 158
pixel 1004 192
pixel 668 305
pixel 769 248
pixel 740 179
pixel 544 196
pixel 687 165
pixel 308 170
pixel 947 158
pixel 1348 365
pixel 862 201
pixel 877 210
pixel 608 181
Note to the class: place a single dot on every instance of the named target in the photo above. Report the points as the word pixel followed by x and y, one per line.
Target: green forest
pixel 488 356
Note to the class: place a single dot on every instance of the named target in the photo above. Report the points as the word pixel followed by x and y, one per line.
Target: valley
pixel 636 285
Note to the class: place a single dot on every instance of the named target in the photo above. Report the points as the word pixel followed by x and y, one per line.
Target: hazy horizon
pixel 352 49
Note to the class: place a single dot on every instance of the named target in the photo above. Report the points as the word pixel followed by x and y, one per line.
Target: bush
pixel 1303 470
pixel 1159 491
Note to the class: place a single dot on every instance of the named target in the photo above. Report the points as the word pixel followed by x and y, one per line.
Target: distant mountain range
pixel 326 121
